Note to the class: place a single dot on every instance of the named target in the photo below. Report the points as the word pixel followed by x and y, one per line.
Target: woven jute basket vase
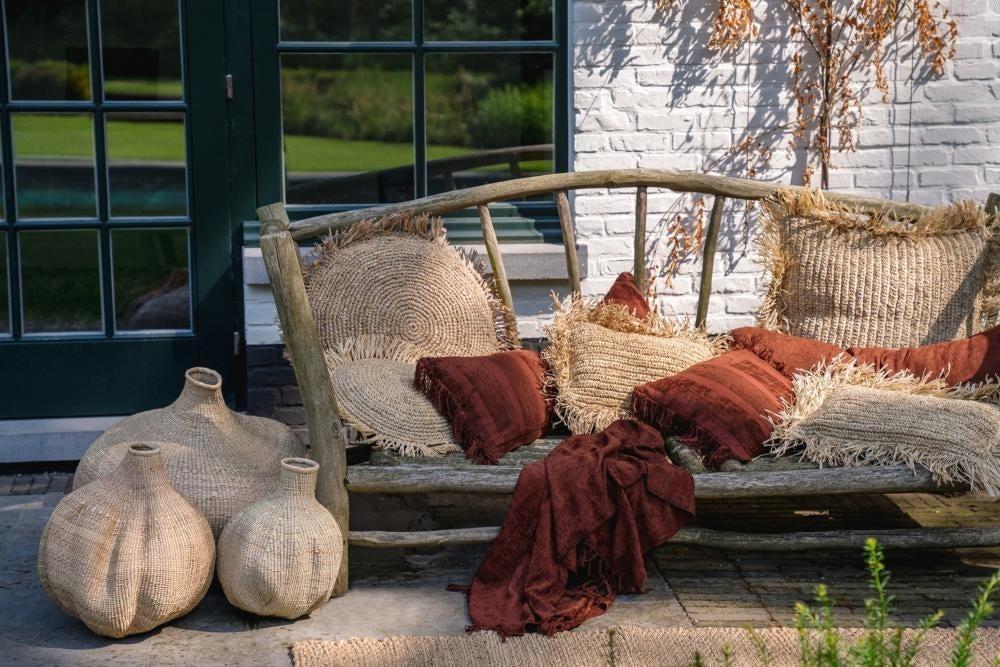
pixel 127 553
pixel 221 460
pixel 280 556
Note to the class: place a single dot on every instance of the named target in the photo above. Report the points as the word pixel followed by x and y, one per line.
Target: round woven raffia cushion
pixel 373 382
pixel 398 277
pixel 599 353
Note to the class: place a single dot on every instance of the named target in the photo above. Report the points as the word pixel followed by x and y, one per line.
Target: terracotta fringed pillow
pixel 969 360
pixel 719 407
pixel 494 404
pixel 852 279
pixel 851 414
pixel 624 293
pixel 788 354
pixel 599 352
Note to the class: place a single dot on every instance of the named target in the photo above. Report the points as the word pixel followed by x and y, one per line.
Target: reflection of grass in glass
pixel 143 89
pixel 60 281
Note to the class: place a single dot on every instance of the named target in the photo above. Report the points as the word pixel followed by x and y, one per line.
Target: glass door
pixel 115 249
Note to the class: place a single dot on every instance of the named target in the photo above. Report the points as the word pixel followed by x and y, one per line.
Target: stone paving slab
pixel 403 593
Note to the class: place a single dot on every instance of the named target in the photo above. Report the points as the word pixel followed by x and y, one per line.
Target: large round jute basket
pixel 280 556
pixel 373 379
pixel 127 553
pixel 398 277
pixel 221 460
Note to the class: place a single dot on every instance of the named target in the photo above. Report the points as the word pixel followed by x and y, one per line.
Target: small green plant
pixel 820 644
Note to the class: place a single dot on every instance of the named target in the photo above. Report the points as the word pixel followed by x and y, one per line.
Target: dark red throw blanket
pixel 576 531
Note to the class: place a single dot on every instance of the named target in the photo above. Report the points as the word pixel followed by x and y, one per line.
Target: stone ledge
pixel 523 261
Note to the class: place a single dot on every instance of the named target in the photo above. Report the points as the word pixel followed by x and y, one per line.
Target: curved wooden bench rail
pixel 279 248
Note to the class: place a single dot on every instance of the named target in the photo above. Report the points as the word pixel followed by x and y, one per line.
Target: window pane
pixel 146 158
pixel 348 128
pixel 48 49
pixel 60 281
pixel 142 56
pixel 54 165
pixel 151 279
pixel 346 21
pixel 489 118
pixel 487 19
pixel 4 294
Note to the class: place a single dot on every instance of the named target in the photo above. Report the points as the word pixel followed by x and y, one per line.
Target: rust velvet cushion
pixel 494 403
pixel 719 407
pixel 972 359
pixel 787 353
pixel 624 293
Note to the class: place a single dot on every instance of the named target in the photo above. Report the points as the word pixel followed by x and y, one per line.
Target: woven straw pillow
pixel 599 352
pixel 373 382
pixel 847 279
pixel 850 414
pixel 398 277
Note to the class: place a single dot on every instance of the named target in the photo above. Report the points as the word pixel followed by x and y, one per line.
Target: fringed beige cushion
pixel 851 415
pixel 598 353
pixel 855 280
pixel 373 382
pixel 399 277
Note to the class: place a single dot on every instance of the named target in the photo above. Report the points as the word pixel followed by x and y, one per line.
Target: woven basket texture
pixel 599 353
pixel 398 277
pixel 281 555
pixel 376 397
pixel 846 279
pixel 620 646
pixel 127 553
pixel 852 415
pixel 223 461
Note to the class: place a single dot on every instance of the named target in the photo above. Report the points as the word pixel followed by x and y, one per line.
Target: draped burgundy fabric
pixel 624 292
pixel 787 353
pixel 494 404
pixel 972 359
pixel 719 406
pixel 576 531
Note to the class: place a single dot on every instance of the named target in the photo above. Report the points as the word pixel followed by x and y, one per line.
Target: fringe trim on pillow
pixel 812 389
pixel 558 355
pixel 431 229
pixel 958 217
pixel 371 346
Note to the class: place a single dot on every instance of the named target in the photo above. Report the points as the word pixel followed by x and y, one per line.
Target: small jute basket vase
pixel 127 553
pixel 221 460
pixel 281 555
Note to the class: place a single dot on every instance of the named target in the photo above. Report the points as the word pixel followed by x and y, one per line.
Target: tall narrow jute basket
pixel 281 555
pixel 127 553
pixel 221 460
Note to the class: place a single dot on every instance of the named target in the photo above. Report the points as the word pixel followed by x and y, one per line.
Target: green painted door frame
pixel 106 374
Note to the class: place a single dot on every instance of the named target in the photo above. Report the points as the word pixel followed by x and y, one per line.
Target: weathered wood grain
pixel 496 258
pixel 569 241
pixel 708 260
pixel 901 538
pixel 326 435
pixel 678 181
pixel 410 478
pixel 639 252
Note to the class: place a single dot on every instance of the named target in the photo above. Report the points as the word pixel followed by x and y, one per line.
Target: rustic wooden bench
pixel 389 473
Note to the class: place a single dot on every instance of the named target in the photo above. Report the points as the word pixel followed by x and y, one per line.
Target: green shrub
pixel 49 79
pixel 514 116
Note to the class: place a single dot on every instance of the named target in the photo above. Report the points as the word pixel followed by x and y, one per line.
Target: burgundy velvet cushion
pixel 788 354
pixel 719 406
pixel 624 292
pixel 973 359
pixel 494 403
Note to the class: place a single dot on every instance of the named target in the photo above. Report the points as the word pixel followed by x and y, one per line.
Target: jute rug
pixel 618 647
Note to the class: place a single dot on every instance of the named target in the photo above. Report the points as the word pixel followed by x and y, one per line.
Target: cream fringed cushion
pixel 373 382
pixel 127 553
pixel 598 353
pixel 854 280
pixel 398 277
pixel 849 414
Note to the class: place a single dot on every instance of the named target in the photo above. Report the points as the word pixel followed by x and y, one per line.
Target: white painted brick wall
pixel 648 93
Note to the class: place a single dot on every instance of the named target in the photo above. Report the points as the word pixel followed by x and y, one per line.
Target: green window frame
pixel 529 221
